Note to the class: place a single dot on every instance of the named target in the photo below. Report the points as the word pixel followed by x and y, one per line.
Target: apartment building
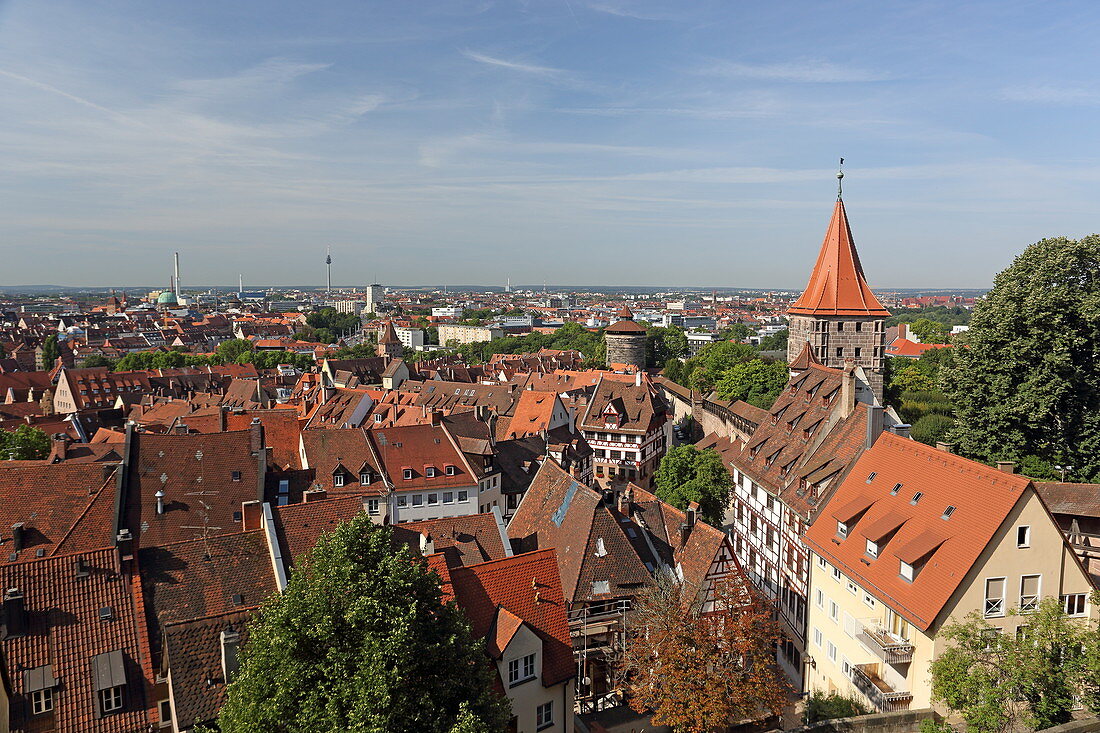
pixel 913 539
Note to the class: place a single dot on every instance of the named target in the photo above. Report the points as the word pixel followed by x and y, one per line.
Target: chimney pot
pixel 1006 466
pixel 314 494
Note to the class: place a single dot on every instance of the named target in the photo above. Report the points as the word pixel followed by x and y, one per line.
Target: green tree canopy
pixel 931 332
pixel 1029 382
pixel 50 352
pixel 664 343
pixel 757 382
pixel 776 341
pixel 714 359
pixel 360 641
pixel 25 443
pixel 687 474
pixel 231 350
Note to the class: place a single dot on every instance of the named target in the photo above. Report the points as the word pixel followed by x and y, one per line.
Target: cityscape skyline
pixel 474 141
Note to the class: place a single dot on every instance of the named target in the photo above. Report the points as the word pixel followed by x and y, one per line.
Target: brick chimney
pixel 314 494
pixel 626 501
pixel 1006 466
pixel 848 388
pixel 946 447
pixel 252 514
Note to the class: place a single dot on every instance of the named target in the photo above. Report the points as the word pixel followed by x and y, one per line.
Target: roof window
pixel 871 476
pixel 948 512
pixel 916 498
pixel 894 491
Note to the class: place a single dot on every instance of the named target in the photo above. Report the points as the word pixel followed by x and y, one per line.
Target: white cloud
pixel 511 65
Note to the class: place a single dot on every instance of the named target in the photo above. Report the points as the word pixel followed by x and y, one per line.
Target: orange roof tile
pixel 837 286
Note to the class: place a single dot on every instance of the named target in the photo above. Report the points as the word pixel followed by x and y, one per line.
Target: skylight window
pixel 894 491
pixel 916 497
pixel 871 476
pixel 948 512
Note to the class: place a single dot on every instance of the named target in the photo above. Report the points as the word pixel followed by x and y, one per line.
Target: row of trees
pixel 569 336
pixel 735 371
pixel 25 443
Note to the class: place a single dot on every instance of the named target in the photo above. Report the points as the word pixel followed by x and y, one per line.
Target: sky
pixel 675 143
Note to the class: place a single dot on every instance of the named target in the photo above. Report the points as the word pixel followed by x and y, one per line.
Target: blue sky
pixel 569 141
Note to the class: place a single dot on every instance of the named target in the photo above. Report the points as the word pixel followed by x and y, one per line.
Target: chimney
pixel 903 330
pixel 437 417
pixel 685 532
pixel 256 430
pixel 230 641
pixel 160 501
pixel 17 536
pixel 638 378
pixel 124 544
pixel 901 430
pixel 252 515
pixel 945 447
pixel 181 428
pixel 60 446
pixel 1006 466
pixel 314 494
pixel 626 501
pixel 427 546
pixel 874 424
pixel 14 613
pixel 848 390
pixel 692 513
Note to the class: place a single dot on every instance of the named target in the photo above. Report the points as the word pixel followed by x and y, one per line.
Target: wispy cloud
pixel 807 71
pixel 1044 94
pixel 519 66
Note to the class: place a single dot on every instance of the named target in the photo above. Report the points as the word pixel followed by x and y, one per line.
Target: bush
pixel 931 429
pixel 820 706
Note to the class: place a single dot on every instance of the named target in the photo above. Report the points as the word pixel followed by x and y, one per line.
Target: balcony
pixel 888 647
pixel 882 696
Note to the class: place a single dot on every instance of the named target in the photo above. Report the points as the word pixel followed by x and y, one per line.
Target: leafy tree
pixel 948 316
pixel 998 682
pixel 687 474
pixel 50 352
pixel 930 332
pixel 334 321
pixel 736 332
pixel 714 359
pixel 230 351
pixel 664 343
pixel 354 644
pixel 821 706
pixel 931 428
pixel 96 360
pixel 703 668
pixel 1029 382
pixel 324 336
pixel 757 382
pixel 674 370
pixel 25 443
pixel 776 341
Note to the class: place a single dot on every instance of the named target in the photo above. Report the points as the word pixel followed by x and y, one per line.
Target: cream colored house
pixel 914 539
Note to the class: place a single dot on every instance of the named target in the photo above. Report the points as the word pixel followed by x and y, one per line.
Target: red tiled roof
pixel 299 526
pixel 837 285
pixel 528 587
pixel 464 540
pixel 911 349
pixel 193 649
pixel 982 497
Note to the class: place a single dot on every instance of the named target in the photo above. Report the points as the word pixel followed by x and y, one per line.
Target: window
pixel 842 529
pixel 372 507
pixel 1074 604
pixel 164 712
pixel 834 611
pixel 818 637
pixel 430 471
pixel 894 491
pixel 450 470
pixel 871 476
pixel 110 699
pixel 916 497
pixel 839 349
pixel 418 499
pixel 821 562
pixel 869 600
pixel 832 651
pixel 544 715
pixel 906 571
pixel 852 588
pixel 857 352
pixel 236 475
pixel 42 701
pixel 463 496
pixel 521 670
pixel 407 473
pixel 338 480
pixel 872 548
pixel 433 499
pixel 1029 592
pixel 837 575
pixel 948 512
pixel 448 497
pixel 364 478
pixel 995 597
pixel 1023 536
pixel 820 598
pixel 402 501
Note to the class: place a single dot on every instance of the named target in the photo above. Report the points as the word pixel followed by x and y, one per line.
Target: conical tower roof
pixel 389 336
pixel 837 286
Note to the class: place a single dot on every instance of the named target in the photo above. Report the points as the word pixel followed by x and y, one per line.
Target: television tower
pixel 328 266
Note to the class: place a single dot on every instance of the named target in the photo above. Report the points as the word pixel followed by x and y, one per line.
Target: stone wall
pixel 1085 725
pixel 903 721
pixel 626 349
pixel 827 335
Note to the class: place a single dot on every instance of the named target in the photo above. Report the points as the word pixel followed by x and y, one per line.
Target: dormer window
pixel 449 470
pixel 521 670
pixel 338 480
pixel 429 471
pixel 872 549
pixel 842 529
pixel 364 478
pixel 407 474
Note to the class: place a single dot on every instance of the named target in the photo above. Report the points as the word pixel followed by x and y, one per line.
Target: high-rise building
pixel 837 314
pixel 375 295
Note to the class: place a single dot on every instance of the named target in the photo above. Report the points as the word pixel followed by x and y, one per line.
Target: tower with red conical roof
pixel 837 314
pixel 625 341
pixel 389 345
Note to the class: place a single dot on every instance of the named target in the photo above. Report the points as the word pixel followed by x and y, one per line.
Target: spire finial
pixel 840 181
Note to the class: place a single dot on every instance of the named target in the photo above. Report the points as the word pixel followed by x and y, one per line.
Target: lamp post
pixel 1063 470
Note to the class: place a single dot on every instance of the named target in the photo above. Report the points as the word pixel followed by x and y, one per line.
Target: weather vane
pixel 840 180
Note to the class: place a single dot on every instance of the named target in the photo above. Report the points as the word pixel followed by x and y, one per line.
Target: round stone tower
pixel 625 341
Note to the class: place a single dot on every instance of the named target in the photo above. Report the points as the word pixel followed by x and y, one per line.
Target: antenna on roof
pixel 840 181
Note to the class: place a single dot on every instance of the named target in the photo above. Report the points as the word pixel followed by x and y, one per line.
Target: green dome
pixel 167 298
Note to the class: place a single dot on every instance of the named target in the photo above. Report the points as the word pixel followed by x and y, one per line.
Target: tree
pixel 757 382
pixel 930 332
pixel 360 640
pixel 701 667
pixel 776 341
pixel 714 359
pixel 1029 382
pixel 230 351
pixel 1001 681
pixel 687 474
pixel 25 443
pixel 96 360
pixel 820 706
pixel 736 332
pixel 674 370
pixel 931 428
pixel 50 352
pixel 664 343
